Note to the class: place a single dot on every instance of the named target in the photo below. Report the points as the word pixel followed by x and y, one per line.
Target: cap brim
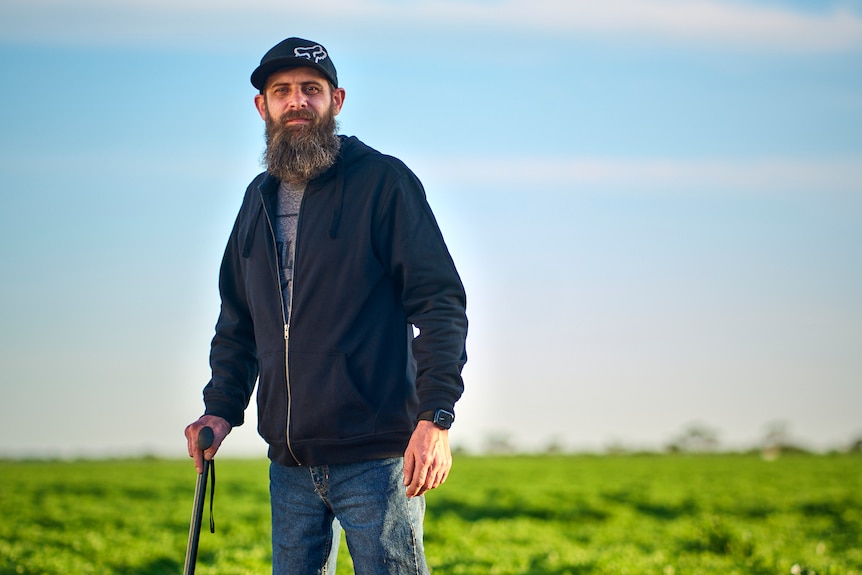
pixel 262 72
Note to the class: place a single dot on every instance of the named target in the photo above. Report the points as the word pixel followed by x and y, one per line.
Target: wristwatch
pixel 440 417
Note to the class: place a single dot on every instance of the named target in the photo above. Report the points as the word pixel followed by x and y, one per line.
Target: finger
pixel 194 452
pixel 417 491
pixel 192 432
pixel 190 440
pixel 199 461
pixel 436 477
pixel 443 474
pixel 443 477
pixel 417 483
pixel 429 484
pixel 433 482
pixel 424 488
pixel 409 463
pixel 210 452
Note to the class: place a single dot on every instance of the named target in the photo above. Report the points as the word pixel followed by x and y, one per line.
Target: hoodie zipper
pixel 285 315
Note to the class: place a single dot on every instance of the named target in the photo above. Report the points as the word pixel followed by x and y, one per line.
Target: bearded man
pixel 340 300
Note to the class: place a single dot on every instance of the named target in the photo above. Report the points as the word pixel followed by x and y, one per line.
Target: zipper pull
pixel 286 332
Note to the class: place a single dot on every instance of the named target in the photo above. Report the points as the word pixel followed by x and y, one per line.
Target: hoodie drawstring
pixel 338 199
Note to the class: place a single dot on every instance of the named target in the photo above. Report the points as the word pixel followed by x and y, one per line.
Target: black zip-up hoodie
pixel 345 380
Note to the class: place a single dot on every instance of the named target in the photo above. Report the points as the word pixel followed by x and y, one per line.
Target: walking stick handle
pixel 205 438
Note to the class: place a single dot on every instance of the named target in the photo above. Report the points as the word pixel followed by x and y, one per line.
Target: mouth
pixel 300 118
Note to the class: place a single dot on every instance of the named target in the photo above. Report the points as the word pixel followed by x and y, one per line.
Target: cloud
pixel 693 22
pixel 689 20
pixel 772 175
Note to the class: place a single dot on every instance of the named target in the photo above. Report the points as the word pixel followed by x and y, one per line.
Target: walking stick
pixel 205 439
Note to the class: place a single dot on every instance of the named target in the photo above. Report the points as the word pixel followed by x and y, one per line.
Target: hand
pixel 220 429
pixel 427 460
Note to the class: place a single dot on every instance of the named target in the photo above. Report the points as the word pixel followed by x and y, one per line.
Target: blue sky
pixel 655 205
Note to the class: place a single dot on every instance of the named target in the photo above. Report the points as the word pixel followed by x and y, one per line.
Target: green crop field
pixel 543 515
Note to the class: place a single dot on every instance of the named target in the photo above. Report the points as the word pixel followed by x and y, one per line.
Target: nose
pixel 297 100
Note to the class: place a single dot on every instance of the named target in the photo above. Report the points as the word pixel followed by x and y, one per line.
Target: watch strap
pixel 440 417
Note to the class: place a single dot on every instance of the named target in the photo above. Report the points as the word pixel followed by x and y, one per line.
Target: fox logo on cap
pixel 290 53
pixel 316 53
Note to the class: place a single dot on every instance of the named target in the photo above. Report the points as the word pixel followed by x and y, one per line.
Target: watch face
pixel 444 418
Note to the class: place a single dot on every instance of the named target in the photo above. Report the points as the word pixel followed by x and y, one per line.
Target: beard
pixel 297 154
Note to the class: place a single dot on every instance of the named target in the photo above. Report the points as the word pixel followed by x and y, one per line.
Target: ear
pixel 260 104
pixel 338 96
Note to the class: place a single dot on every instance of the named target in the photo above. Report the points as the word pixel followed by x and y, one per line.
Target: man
pixel 334 262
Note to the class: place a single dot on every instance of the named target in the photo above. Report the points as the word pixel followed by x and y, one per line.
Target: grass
pixel 667 515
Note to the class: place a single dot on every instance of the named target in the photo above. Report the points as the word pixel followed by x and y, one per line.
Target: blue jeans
pixel 382 526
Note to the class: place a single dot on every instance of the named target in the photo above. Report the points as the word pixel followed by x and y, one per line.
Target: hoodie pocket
pixel 272 399
pixel 324 400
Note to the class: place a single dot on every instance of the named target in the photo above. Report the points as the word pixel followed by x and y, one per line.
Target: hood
pixel 352 150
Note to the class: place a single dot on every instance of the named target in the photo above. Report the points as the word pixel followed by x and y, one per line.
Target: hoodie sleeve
pixel 233 353
pixel 431 290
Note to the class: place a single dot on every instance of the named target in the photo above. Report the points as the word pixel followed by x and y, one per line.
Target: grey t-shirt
pixel 289 198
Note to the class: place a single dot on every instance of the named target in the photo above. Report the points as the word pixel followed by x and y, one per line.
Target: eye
pixel 312 89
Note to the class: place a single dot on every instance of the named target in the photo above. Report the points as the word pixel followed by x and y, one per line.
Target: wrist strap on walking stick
pixel 212 494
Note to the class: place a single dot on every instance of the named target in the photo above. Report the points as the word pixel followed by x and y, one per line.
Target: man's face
pixel 299 108
pixel 298 97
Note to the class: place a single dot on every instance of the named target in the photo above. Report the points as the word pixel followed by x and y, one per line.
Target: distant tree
pixel 499 444
pixel 459 449
pixel 777 434
pixel 695 438
pixel 777 441
pixel 617 448
pixel 554 446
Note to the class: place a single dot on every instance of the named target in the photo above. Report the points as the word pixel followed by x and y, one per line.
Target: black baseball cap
pixel 291 53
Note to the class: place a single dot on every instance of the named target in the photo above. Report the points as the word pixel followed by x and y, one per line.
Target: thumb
pixel 409 464
pixel 218 437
